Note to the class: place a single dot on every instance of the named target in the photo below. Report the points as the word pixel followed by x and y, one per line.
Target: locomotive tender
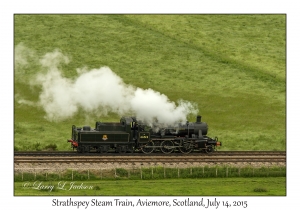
pixel 129 135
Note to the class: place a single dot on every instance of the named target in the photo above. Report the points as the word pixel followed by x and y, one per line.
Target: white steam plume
pixel 22 56
pixel 102 91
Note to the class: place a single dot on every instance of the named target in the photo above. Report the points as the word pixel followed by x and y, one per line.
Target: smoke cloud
pixel 101 91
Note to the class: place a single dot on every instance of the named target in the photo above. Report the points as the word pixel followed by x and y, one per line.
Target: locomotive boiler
pixel 131 135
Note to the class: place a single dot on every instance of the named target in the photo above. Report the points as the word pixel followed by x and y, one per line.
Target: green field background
pixel 232 66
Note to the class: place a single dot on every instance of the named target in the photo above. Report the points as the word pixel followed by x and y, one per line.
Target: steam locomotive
pixel 130 135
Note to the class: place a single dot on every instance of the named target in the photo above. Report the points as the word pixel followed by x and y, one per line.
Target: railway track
pixel 217 157
pixel 140 154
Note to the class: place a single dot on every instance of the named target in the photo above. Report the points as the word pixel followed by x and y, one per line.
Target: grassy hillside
pixel 232 66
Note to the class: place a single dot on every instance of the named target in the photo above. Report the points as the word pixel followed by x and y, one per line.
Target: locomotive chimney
pixel 198 119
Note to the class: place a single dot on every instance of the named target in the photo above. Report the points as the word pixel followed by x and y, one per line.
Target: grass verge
pixel 271 186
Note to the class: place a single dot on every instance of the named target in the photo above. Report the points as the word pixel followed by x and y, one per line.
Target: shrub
pixel 97 188
pixel 121 172
pixel 260 189
pixel 51 147
pixel 37 146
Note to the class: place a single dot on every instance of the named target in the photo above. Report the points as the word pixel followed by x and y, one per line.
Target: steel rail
pixel 138 154
pixel 150 159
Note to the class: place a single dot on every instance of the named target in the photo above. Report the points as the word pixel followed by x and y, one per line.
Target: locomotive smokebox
pixel 198 120
pixel 192 128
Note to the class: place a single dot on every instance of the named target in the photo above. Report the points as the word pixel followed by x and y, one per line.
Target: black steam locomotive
pixel 130 135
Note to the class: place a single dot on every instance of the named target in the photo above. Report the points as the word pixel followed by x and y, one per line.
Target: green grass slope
pixel 232 66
